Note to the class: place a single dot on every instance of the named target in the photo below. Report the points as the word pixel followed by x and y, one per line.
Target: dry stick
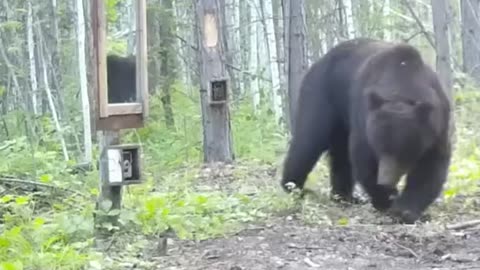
pixel 39 184
pixel 464 225
pixel 407 249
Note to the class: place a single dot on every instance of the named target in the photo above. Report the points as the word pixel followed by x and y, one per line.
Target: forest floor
pixel 319 234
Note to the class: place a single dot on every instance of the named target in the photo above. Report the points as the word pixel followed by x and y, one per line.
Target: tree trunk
pixel 254 89
pixel 168 60
pixel 32 60
pixel 471 38
pixel 442 43
pixel 230 44
pixel 245 44
pixel 217 138
pixel 349 26
pixel 271 55
pixel 442 47
pixel 82 72
pixel 296 52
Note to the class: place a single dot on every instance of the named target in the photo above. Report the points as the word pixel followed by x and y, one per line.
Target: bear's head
pixel 399 131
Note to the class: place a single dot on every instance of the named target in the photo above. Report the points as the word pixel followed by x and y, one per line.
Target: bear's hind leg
pixel 424 185
pixel 341 179
pixel 311 137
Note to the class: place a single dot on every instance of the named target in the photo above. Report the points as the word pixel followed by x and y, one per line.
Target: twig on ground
pixel 464 225
pixel 39 184
pixel 407 249
pixel 311 263
pixel 294 246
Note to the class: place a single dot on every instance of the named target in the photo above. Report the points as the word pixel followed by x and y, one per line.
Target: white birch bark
pixel 87 135
pixel 52 106
pixel 31 58
pixel 387 31
pixel 349 19
pixel 272 65
pixel 254 58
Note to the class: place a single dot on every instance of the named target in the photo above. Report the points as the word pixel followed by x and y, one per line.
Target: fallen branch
pixel 464 225
pixel 409 250
pixel 39 184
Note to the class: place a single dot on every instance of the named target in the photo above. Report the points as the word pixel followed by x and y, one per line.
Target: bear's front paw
pixel 403 214
pixel 346 199
pixel 289 186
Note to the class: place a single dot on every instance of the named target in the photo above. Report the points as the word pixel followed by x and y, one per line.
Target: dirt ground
pixel 286 241
pixel 291 245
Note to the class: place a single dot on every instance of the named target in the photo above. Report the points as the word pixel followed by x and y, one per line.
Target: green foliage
pixel 192 214
pixel 112 15
pixel 29 240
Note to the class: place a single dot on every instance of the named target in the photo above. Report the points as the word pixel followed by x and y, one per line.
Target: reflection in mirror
pixel 121 52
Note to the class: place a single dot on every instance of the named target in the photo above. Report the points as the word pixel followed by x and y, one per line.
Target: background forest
pixel 47 199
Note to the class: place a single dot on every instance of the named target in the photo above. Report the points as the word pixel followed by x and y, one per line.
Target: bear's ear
pixel 374 101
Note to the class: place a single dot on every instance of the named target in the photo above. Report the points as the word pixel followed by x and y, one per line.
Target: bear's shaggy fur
pixel 380 112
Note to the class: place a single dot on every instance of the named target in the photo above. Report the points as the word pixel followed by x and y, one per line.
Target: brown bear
pixel 381 112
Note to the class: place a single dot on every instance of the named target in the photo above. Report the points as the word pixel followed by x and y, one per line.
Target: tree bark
pixel 296 52
pixel 217 138
pixel 471 38
pixel 442 43
pixel 168 60
pixel 442 46
pixel 82 72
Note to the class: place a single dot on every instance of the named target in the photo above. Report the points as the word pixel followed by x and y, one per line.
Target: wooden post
pixel 113 117
pixel 214 92
pixel 108 193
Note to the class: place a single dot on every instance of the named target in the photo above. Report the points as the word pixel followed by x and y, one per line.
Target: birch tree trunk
pixel 348 7
pixel 51 104
pixel 278 28
pixel 471 38
pixel 31 56
pixel 271 55
pixel 262 50
pixel 255 91
pixel 387 30
pixel 82 72
pixel 245 43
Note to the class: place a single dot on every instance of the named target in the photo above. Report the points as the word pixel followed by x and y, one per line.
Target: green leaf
pixel 114 212
pixel 11 265
pixel 46 178
pixel 343 221
pixel 105 205
pixel 6 198
pixel 38 222
pixel 21 200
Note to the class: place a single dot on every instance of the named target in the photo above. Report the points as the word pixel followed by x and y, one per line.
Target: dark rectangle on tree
pixel 121 79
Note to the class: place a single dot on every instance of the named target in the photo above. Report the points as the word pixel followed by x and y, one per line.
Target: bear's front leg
pixel 365 167
pixel 424 184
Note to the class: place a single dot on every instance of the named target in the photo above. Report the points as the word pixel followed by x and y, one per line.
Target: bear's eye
pixel 411 102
